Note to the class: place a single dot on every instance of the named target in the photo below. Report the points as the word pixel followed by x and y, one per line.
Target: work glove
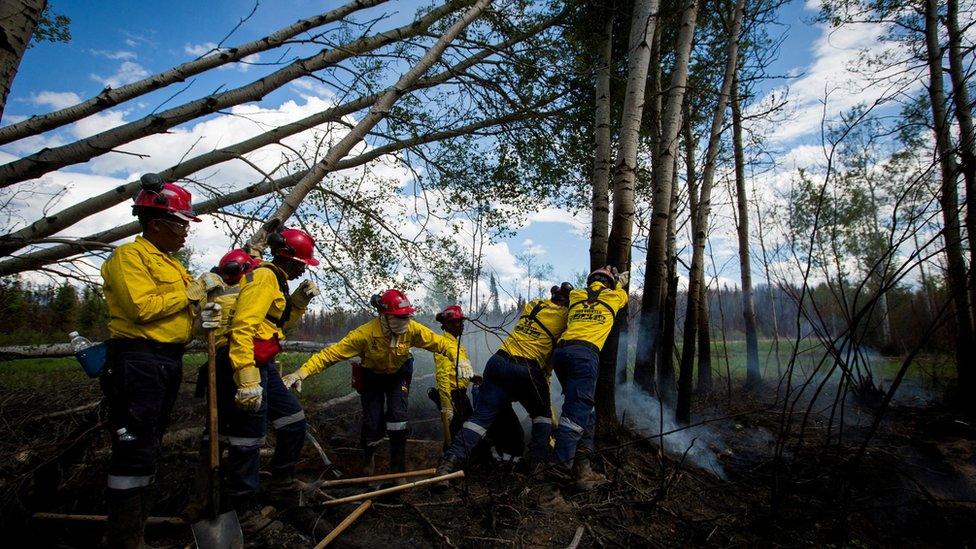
pixel 448 414
pixel 248 381
pixel 623 278
pixel 210 316
pixel 294 379
pixel 464 369
pixel 199 288
pixel 303 294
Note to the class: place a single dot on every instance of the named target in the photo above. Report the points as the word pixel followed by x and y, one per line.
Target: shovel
pixel 221 531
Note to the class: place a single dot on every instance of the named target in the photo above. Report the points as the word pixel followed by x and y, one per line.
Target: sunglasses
pixel 181 229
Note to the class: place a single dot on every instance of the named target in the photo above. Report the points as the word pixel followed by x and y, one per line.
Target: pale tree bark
pixel 51 224
pixel 696 275
pixel 110 97
pixel 967 141
pixel 54 158
pixel 753 374
pixel 18 18
pixel 378 112
pixel 665 351
pixel 656 269
pixel 705 382
pixel 644 19
pixel 601 157
pixel 949 199
pixel 645 370
pixel 103 239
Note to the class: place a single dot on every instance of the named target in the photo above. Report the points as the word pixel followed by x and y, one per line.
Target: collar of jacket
pixel 279 274
pixel 147 245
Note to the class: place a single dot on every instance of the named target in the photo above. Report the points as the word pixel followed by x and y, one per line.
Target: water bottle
pixel 78 342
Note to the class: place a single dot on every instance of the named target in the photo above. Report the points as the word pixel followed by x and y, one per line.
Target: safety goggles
pixel 180 229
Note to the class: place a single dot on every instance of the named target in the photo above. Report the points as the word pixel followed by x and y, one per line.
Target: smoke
pixel 642 413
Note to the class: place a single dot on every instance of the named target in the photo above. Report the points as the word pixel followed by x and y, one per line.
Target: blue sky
pixel 114 42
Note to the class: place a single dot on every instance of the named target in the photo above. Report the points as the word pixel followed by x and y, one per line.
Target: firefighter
pixel 384 373
pixel 452 378
pixel 576 360
pixel 150 298
pixel 250 393
pixel 518 371
pixel 234 265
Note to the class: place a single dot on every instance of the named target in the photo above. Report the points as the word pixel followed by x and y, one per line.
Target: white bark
pixel 601 156
pixel 110 97
pixel 18 18
pixel 54 158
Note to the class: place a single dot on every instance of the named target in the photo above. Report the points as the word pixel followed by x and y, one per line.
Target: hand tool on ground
pixel 367 480
pixel 223 530
pixel 64 517
pixel 344 524
pixel 330 468
pixel 394 489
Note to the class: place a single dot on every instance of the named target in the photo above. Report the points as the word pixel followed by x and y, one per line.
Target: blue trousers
pixel 507 380
pixel 243 431
pixel 385 399
pixel 141 384
pixel 576 368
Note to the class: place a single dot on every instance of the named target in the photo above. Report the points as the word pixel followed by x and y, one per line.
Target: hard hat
pixel 168 197
pixel 604 275
pixel 235 264
pixel 293 243
pixel 392 302
pixel 451 313
pixel 560 294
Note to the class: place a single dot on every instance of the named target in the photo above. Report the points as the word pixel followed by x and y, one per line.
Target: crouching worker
pixel 576 360
pixel 452 377
pixel 383 345
pixel 250 393
pixel 519 372
pixel 150 298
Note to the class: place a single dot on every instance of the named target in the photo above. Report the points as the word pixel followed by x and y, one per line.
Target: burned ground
pixel 914 486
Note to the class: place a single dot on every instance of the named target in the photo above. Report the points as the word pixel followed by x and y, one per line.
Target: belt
pixel 517 359
pixel 580 342
pixel 174 350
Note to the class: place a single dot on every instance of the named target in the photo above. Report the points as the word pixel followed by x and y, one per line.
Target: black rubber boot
pixel 283 491
pixel 126 519
pixel 398 455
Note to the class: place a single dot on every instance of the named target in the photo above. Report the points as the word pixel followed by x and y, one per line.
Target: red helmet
pixel 293 243
pixel 392 302
pixel 235 264
pixel 169 197
pixel 451 313
pixel 604 275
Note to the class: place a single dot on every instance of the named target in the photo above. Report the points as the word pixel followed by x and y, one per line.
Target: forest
pixel 794 361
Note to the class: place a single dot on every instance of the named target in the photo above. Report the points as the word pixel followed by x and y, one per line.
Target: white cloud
pixel 55 100
pixel 532 249
pixel 128 72
pixel 118 55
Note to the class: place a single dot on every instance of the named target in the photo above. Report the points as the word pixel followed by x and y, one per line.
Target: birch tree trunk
pixel 700 227
pixel 103 239
pixel 110 97
pixel 655 272
pixel 643 21
pixel 51 224
pixel 18 18
pixel 967 141
pixel 664 381
pixel 54 158
pixel 949 199
pixel 705 382
pixel 645 371
pixel 601 157
pixel 753 374
pixel 377 113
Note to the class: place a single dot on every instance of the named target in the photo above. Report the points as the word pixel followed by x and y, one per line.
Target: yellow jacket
pixel 445 369
pixel 591 320
pixel 145 290
pixel 260 300
pixel 530 340
pixel 371 344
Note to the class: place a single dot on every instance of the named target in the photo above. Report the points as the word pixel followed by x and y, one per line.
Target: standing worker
pixel 149 296
pixel 384 374
pixel 452 378
pixel 518 371
pixel 576 361
pixel 250 392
